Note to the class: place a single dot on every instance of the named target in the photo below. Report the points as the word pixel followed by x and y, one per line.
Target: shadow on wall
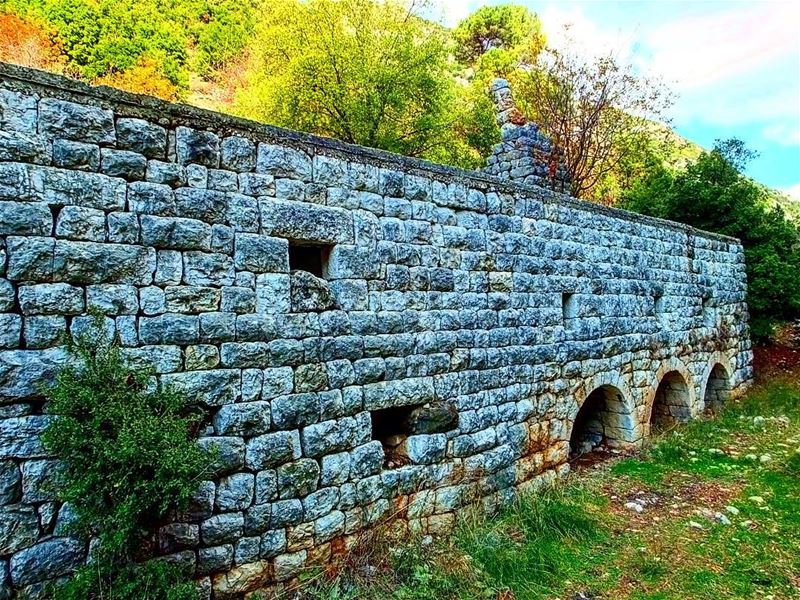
pixel 601 421
pixel 718 388
pixel 604 420
pixel 672 402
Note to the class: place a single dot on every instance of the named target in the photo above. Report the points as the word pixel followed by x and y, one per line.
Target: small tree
pixel 597 112
pixel 128 461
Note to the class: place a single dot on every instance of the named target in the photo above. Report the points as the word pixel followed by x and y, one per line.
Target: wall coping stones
pixel 154 109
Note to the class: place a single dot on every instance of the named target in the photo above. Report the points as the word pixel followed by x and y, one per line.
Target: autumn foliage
pixel 28 43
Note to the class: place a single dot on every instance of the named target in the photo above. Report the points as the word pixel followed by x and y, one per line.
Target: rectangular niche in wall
pixel 390 426
pixel 309 257
pixel 709 312
pixel 659 311
pixel 569 309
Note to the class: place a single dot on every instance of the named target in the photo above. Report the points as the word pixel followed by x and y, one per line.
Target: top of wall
pixel 159 111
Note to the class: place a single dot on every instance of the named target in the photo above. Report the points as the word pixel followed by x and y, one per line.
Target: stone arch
pixel 604 416
pixel 672 401
pixel 672 387
pixel 717 385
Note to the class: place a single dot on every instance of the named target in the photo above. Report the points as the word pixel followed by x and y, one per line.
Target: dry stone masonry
pixel 374 337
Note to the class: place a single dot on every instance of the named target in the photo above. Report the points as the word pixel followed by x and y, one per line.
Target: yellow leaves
pixel 145 77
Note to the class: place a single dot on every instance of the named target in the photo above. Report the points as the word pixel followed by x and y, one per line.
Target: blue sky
pixel 735 66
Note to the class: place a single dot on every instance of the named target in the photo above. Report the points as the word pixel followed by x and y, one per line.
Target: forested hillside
pixel 383 74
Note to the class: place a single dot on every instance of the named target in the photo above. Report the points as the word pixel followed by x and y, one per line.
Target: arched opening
pixel 718 388
pixel 671 403
pixel 601 421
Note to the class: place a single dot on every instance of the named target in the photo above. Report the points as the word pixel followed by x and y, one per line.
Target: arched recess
pixel 672 402
pixel 717 388
pixel 603 419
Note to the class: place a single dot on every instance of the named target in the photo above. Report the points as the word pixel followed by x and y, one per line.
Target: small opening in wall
pixel 659 312
pixel 569 308
pixel 709 312
pixel 390 427
pixel 310 258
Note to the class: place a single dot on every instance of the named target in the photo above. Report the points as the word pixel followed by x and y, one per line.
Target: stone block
pixel 151 198
pixel 261 254
pixel 175 233
pixel 197 146
pixel 208 269
pixel 10 331
pixel 283 161
pixel 112 299
pixel 272 449
pixel 306 222
pixel 72 121
pixel 235 492
pixel 50 299
pixel 46 560
pixel 246 419
pixel 44 331
pixel 212 388
pixel 191 299
pixel 238 154
pixel 90 262
pixel 81 223
pixel 142 137
pixel 123 163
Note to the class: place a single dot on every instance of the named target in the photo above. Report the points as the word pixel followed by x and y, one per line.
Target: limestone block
pixel 142 137
pixel 72 121
pixel 197 146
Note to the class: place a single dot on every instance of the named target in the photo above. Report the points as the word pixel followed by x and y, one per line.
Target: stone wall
pixel 373 336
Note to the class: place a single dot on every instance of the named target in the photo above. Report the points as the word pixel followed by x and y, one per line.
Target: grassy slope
pixel 580 541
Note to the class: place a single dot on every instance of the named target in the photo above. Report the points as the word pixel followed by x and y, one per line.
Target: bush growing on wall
pixel 129 460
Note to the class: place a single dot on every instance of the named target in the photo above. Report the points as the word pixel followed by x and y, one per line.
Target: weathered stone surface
pixel 202 268
pixel 435 417
pixel 89 262
pixel 298 478
pixel 25 218
pixel 10 480
pixel 22 373
pixel 178 536
pixel 282 161
pixel 122 163
pixel 142 137
pixel 273 449
pixel 44 331
pixel 214 560
pixel 213 388
pixel 72 121
pixel 261 254
pixel 242 579
pixel 47 560
pixel 238 154
pixel 191 299
pixel 81 223
pixel 10 331
pixel 235 492
pixel 51 298
pixel 19 528
pixel 306 222
pixel 76 155
pixel 222 528
pixel 196 146
pixel 246 419
pixel 310 293
pixel 112 299
pixel 176 233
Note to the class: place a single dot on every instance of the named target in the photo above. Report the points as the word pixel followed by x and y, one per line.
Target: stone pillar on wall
pixel 524 154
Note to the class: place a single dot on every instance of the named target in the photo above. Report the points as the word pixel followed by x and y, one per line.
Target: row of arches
pixel 605 419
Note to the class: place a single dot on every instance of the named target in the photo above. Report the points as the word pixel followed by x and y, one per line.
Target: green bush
pixel 713 194
pixel 129 461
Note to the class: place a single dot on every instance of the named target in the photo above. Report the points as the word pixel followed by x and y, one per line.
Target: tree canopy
pixel 369 73
pixel 712 194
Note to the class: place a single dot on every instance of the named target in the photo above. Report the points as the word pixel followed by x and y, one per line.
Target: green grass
pixel 579 538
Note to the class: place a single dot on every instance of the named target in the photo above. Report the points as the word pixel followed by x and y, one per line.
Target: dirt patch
pixel 772 361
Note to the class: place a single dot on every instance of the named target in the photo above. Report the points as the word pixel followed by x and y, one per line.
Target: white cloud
pixel 700 50
pixel 783 133
pixel 568 27
pixel 450 12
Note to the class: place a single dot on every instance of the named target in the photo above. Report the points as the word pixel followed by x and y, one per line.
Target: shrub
pixel 129 460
